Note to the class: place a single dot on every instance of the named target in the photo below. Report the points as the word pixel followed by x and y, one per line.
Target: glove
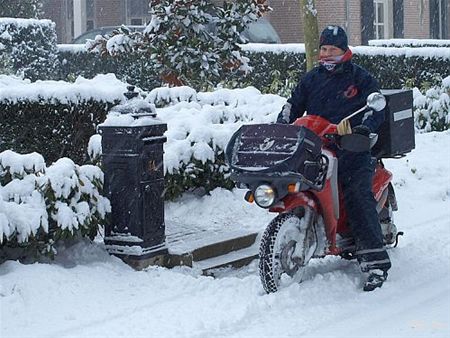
pixel 344 127
pixel 361 130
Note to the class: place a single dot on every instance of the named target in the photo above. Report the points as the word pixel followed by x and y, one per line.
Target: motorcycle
pixel 292 170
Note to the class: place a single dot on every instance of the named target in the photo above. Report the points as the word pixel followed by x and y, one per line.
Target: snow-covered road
pixel 87 293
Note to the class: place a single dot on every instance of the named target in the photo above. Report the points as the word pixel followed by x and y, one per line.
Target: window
pixel 137 12
pixel 438 19
pixel 90 15
pixel 136 21
pixel 383 19
pixel 90 8
pixel 69 9
pixel 69 24
pixel 89 25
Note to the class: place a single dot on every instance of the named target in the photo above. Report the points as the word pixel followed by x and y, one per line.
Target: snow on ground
pixel 87 293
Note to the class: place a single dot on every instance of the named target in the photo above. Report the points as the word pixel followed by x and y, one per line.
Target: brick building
pixel 367 19
pixel 363 19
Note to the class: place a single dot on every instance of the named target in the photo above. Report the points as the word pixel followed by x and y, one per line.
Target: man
pixel 334 90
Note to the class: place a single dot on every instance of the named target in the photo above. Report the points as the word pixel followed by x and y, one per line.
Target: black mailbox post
pixel 134 181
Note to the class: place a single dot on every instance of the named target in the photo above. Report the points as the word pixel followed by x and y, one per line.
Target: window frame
pixel 387 23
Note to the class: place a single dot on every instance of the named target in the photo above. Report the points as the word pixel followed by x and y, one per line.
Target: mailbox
pixel 132 157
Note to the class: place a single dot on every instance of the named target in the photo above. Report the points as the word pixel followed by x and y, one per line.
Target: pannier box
pixel 396 134
pixel 269 148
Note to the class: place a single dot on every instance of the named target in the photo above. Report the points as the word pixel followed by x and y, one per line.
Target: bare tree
pixel 311 32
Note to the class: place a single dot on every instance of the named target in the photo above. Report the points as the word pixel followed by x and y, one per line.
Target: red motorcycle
pixel 292 170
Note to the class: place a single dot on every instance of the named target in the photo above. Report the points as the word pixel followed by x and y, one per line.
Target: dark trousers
pixel 356 172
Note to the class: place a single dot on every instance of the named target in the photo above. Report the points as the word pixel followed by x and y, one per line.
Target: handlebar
pixel 353 142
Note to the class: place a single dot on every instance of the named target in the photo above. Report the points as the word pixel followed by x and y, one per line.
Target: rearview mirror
pixel 376 101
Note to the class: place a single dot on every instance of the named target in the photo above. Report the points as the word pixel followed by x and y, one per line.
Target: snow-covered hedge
pixel 137 69
pixel 41 205
pixel 410 43
pixel 55 118
pixel 199 123
pixel 393 67
pixel 274 66
pixel 199 126
pixel 432 109
pixel 28 47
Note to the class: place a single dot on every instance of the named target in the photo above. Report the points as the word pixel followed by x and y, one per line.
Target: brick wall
pixel 417 19
pixel 354 23
pixel 54 10
pixel 287 19
pixel 345 13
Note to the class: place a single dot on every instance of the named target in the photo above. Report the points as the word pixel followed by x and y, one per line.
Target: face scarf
pixel 331 62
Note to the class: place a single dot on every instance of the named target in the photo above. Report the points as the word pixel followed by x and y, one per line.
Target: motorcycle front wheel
pixel 287 244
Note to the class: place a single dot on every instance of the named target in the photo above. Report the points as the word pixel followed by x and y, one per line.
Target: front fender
pixel 295 200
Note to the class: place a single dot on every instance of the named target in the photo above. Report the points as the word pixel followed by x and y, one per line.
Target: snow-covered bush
pixel 410 43
pixel 432 110
pixel 5 62
pixel 21 8
pixel 392 67
pixel 55 118
pixel 30 46
pixel 186 42
pixel 399 67
pixel 199 126
pixel 135 68
pixel 41 205
pixel 275 67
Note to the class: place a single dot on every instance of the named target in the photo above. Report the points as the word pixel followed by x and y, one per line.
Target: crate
pixel 396 134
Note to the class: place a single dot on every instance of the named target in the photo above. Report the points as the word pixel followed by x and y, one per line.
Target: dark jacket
pixel 333 95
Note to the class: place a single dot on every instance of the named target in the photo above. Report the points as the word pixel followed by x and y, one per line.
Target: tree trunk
pixel 311 32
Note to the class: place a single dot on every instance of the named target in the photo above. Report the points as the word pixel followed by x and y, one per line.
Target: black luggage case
pixel 396 134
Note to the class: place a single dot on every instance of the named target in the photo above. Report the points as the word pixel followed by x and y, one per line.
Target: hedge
pixel 392 67
pixel 55 119
pixel 275 66
pixel 28 47
pixel 410 43
pixel 135 69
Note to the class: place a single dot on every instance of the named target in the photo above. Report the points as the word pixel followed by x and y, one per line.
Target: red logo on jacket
pixel 351 91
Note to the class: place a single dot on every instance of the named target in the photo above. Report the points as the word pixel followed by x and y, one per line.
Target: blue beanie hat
pixel 335 36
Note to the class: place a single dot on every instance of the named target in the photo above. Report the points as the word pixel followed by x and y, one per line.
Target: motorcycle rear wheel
pixel 287 244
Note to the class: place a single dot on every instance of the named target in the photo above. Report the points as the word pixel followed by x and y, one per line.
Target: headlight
pixel 264 195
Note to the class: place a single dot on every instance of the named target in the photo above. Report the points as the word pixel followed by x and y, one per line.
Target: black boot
pixel 375 279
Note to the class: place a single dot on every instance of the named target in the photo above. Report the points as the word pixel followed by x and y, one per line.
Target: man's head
pixel 333 42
